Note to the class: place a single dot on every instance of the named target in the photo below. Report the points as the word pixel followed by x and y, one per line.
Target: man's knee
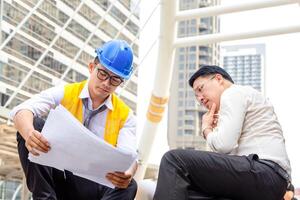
pixel 172 157
pixel 171 154
pixel 133 185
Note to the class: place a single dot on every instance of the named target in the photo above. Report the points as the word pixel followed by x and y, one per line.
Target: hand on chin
pixel 207 106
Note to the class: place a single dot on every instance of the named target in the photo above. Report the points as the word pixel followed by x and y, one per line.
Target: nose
pixel 200 98
pixel 106 83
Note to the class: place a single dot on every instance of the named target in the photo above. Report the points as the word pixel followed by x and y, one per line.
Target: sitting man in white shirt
pixel 94 103
pixel 249 159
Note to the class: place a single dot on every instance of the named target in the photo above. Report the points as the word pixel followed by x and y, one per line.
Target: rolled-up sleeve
pixel 232 112
pixel 127 137
pixel 40 104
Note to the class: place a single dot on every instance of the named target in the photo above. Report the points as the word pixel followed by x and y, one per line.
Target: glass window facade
pixel 65 47
pixel 72 3
pixel 7 190
pixel 22 48
pixel 42 35
pixel 74 76
pixel 78 30
pixel 132 87
pixel 109 29
pixel 48 9
pixel 12 73
pixel 39 29
pixel 13 13
pixel 102 3
pixel 95 42
pixel 85 58
pixel 188 60
pixel 245 69
pixel 52 66
pixel 89 14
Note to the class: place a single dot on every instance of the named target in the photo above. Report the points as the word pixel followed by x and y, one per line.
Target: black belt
pixel 281 172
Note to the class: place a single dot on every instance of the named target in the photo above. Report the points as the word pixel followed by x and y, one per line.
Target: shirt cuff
pixel 209 140
pixel 18 108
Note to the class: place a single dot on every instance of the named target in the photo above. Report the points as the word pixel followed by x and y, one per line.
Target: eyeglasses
pixel 199 89
pixel 104 75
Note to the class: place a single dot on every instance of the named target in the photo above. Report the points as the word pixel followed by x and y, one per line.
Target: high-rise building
pixel 245 64
pixel 44 42
pixel 47 42
pixel 184 117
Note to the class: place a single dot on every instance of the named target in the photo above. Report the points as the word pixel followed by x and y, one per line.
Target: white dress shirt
pixel 40 105
pixel 248 125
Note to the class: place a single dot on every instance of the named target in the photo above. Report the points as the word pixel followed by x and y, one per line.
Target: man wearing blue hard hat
pixel 93 103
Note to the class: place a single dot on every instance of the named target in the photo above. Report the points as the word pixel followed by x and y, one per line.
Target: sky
pixel 282 69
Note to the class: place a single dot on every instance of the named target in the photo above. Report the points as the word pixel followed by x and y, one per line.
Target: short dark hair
pixel 206 70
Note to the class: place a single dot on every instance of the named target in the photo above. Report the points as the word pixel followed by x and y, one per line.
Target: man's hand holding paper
pixel 76 149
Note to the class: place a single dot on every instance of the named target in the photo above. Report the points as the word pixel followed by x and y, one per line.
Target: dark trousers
pixel 49 183
pixel 191 174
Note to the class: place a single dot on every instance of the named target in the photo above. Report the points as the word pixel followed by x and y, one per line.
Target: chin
pixel 102 94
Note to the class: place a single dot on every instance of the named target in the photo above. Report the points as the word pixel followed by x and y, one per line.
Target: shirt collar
pixel 85 94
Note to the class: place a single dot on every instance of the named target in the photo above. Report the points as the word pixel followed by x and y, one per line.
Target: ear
pixel 219 78
pixel 91 67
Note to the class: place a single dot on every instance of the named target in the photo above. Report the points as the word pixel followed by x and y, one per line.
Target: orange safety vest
pixel 115 118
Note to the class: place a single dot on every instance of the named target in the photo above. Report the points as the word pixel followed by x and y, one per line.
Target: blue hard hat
pixel 117 57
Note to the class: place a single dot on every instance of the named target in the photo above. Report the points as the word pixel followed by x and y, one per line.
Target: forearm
pixel 23 121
